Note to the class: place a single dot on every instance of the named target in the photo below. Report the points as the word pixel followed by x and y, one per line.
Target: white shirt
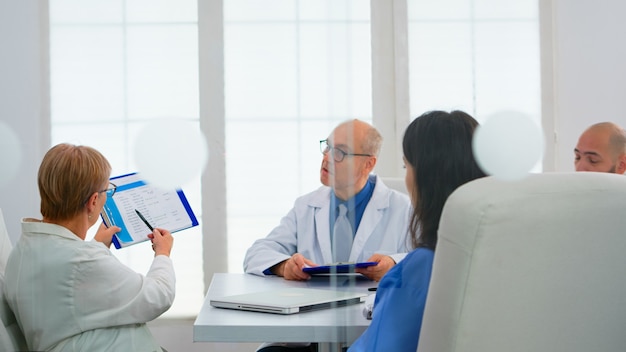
pixel 73 295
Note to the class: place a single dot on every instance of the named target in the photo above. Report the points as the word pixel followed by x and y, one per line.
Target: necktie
pixel 342 236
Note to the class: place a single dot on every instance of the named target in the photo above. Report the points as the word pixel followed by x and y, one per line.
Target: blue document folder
pixel 167 209
pixel 339 268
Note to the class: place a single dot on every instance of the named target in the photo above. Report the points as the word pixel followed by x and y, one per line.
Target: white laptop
pixel 289 300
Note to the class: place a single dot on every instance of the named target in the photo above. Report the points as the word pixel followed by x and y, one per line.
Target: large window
pixel 296 68
pixel 481 56
pixel 117 66
pixel 293 69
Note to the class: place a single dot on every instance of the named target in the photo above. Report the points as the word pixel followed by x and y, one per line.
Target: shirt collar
pixel 30 225
pixel 356 200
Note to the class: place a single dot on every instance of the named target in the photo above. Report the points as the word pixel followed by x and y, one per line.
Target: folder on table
pixel 337 268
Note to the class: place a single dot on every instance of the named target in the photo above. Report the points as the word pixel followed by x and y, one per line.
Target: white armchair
pixel 11 337
pixel 5 244
pixel 533 265
pixel 395 183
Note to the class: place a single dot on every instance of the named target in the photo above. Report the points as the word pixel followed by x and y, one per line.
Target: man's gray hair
pixel 373 142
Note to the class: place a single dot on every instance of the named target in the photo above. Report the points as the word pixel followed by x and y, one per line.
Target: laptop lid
pixel 289 300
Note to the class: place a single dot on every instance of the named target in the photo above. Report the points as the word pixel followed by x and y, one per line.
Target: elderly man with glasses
pixel 354 217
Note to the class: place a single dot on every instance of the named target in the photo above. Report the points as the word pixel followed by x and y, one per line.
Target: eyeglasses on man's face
pixel 337 154
pixel 110 191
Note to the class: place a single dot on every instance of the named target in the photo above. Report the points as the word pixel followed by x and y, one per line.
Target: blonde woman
pixel 69 294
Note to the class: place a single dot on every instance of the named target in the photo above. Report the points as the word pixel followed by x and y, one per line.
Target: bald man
pixel 378 215
pixel 601 148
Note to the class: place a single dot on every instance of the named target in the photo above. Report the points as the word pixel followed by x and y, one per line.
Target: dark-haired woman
pixel 437 149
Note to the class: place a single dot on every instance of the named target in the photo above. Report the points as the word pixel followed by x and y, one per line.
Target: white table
pixel 331 328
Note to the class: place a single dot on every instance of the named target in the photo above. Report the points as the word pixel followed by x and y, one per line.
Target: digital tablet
pixel 339 268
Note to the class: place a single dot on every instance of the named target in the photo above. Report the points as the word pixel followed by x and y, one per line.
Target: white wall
pixel 23 102
pixel 588 70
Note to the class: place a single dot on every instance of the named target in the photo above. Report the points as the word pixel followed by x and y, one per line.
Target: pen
pixel 144 220
pixel 372 289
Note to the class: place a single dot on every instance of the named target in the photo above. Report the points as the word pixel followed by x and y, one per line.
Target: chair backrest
pixel 11 337
pixel 5 244
pixel 533 265
pixel 395 183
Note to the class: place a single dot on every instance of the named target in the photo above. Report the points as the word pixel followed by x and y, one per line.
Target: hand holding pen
pixel 162 240
pixel 144 220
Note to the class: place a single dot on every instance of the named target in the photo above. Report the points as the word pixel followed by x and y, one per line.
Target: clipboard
pixel 168 209
pixel 338 268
